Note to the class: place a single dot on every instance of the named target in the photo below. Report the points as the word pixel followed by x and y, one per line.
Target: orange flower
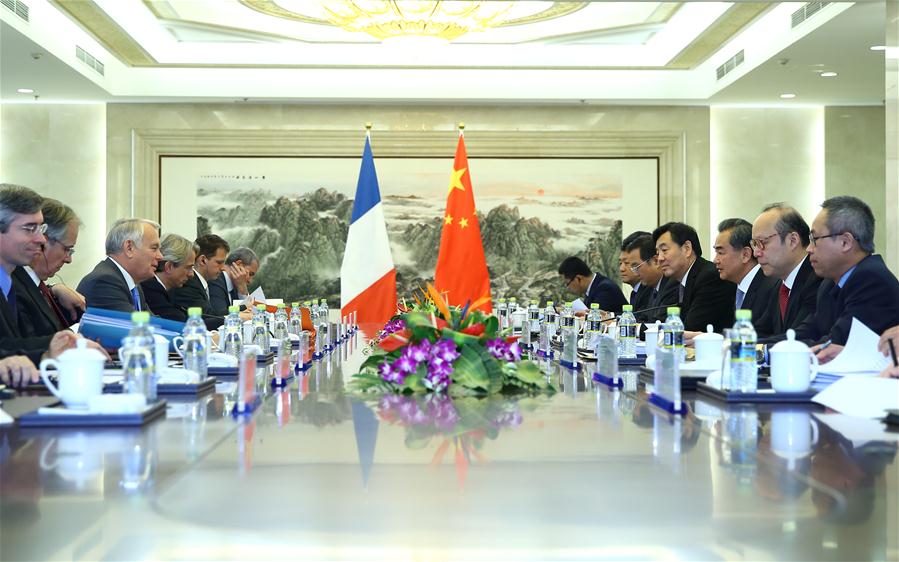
pixel 395 340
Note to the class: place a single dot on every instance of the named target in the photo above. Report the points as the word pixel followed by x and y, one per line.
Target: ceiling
pixel 538 52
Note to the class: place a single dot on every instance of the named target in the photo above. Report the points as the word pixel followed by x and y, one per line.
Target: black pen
pixel 893 352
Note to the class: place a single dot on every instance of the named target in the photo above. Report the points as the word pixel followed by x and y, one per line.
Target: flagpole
pixel 461 128
pixel 368 130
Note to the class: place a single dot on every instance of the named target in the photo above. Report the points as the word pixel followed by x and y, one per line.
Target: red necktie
pixel 51 302
pixel 783 298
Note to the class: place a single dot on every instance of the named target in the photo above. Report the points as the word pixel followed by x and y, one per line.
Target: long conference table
pixel 588 473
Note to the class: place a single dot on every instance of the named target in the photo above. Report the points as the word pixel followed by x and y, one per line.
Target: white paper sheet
pixel 860 353
pixel 865 397
pixel 258 294
pixel 857 430
pixel 578 305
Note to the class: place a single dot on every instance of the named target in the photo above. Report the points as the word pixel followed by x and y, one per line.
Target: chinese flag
pixel 461 267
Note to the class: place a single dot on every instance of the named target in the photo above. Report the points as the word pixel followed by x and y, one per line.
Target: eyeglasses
pixel 70 250
pixel 814 239
pixel 760 243
pixel 569 282
pixel 34 228
pixel 635 268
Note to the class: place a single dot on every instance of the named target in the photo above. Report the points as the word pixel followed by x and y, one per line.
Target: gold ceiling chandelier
pixel 442 19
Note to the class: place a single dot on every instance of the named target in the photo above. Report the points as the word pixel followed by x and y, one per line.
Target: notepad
pixel 859 355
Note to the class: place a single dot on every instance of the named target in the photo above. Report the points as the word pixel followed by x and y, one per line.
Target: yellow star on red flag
pixel 456 180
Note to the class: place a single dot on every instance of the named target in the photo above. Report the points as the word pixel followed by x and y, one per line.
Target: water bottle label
pixel 594 326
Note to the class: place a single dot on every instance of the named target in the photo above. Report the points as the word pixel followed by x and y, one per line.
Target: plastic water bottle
pixel 510 314
pixel 138 352
pixel 548 327
pixel 743 366
pixel 295 324
pixel 324 310
pixel 280 331
pixel 314 312
pixel 593 328
pixel 627 333
pixel 260 329
pixel 568 327
pixel 532 327
pixel 501 310
pixel 195 350
pixel 233 344
pixel 673 333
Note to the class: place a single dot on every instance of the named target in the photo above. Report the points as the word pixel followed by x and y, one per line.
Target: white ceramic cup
pixel 708 348
pixel 79 380
pixel 793 434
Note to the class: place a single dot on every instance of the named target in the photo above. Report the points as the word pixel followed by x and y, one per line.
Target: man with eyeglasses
pixel 22 231
pixel 780 237
pixel 660 291
pixel 594 287
pixel 44 310
pixel 857 283
pixel 736 263
pixel 629 263
pixel 704 297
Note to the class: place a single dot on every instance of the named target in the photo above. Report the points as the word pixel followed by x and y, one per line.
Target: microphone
pixel 650 309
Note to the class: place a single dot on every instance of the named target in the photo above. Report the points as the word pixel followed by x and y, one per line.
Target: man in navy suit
pixel 857 283
pixel 659 291
pixel 704 297
pixel 627 259
pixel 232 284
pixel 172 271
pixel 212 251
pixel 736 263
pixel 780 237
pixel 595 288
pixel 132 250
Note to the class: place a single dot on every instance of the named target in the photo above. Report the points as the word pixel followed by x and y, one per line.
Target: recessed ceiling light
pixel 25 91
pixel 878 47
pixel 828 74
pixel 787 96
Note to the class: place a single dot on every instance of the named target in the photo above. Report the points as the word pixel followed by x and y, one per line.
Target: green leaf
pixel 459 338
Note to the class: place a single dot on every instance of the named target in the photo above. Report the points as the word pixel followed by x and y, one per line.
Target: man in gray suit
pixel 132 250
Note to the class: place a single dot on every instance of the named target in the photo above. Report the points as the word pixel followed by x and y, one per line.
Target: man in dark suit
pixel 736 263
pixel 657 291
pixel 21 237
pixel 780 237
pixel 232 284
pixel 596 288
pixel 704 297
pixel 41 310
pixel 210 262
pixel 132 250
pixel 857 283
pixel 640 294
pixel 172 271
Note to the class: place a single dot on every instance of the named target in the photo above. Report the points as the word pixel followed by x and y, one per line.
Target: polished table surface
pixel 588 473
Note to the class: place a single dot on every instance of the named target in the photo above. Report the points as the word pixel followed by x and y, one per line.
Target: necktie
pixel 633 298
pixel 680 293
pixel 783 298
pixel 740 296
pixel 135 298
pixel 51 302
pixel 655 297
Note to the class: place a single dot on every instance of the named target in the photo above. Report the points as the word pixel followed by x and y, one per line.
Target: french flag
pixel 367 274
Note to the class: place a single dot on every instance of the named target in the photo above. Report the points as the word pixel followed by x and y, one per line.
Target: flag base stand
pixel 611 382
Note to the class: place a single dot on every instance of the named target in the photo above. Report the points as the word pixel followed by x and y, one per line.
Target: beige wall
pixel 765 155
pixel 60 151
pixel 854 160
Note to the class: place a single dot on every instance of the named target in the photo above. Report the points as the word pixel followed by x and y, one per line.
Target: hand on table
pixel 18 371
pixel 827 354
pixel 890 373
pixel 689 336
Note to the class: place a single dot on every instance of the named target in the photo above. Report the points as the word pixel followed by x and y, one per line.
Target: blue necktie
pixel 740 296
pixel 135 298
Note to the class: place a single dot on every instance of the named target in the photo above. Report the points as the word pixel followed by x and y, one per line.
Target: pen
pixel 893 353
pixel 824 345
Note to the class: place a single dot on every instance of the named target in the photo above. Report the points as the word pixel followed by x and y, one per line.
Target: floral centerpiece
pixel 432 347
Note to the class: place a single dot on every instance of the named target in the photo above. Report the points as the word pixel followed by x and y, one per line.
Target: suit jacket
pixel 160 302
pixel 659 301
pixel 802 303
pixel 758 299
pixel 105 287
pixel 871 294
pixel 12 341
pixel 192 294
pixel 36 318
pixel 640 298
pixel 605 292
pixel 219 296
pixel 708 299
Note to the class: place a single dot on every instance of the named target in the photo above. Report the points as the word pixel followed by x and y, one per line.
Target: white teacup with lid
pixel 793 365
pixel 708 348
pixel 80 375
